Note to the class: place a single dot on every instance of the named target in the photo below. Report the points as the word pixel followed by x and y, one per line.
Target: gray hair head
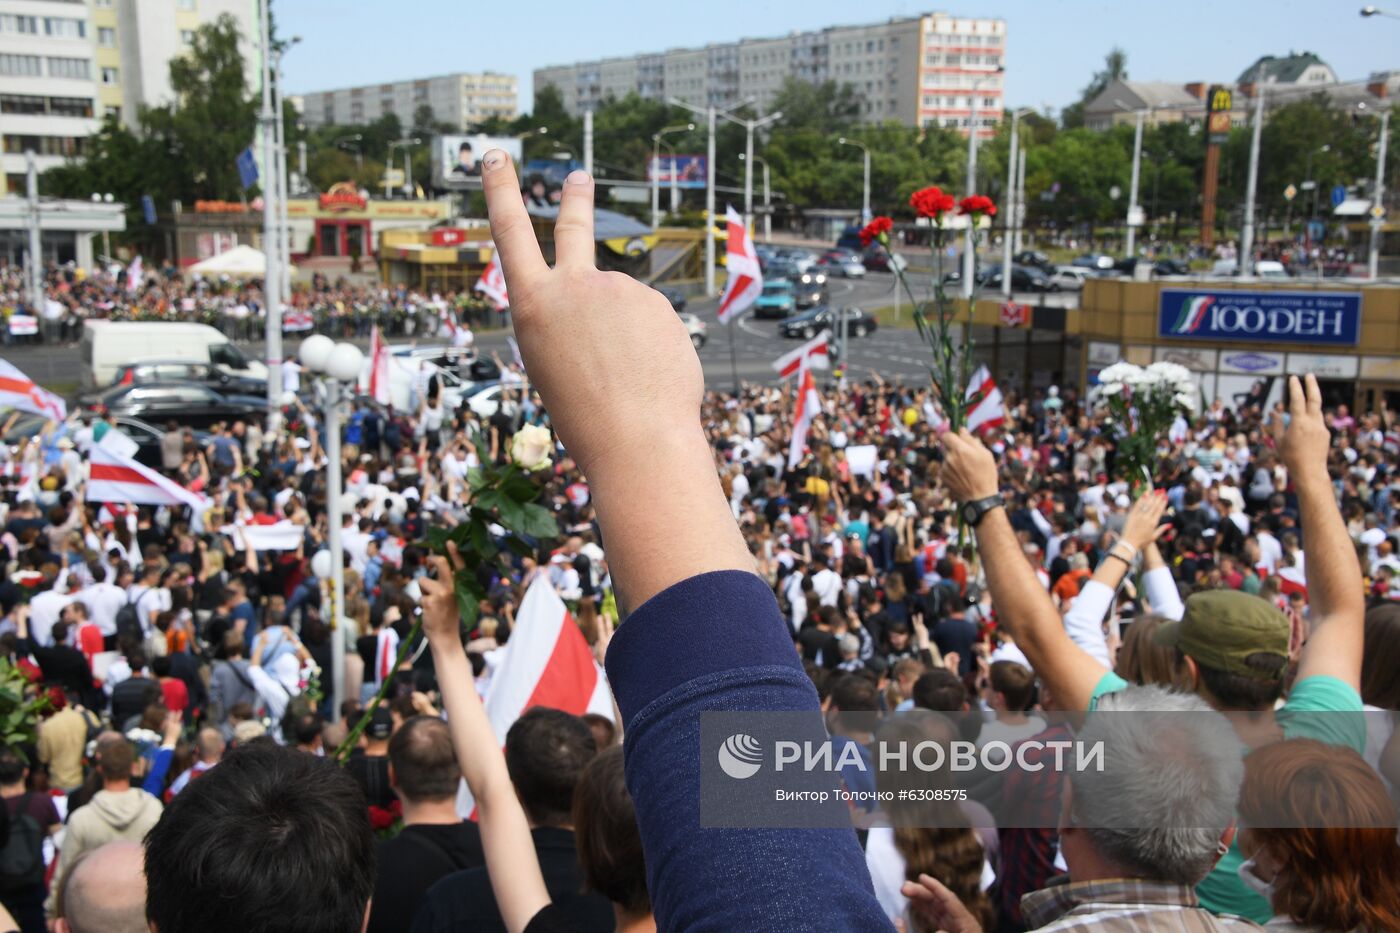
pixel 1167 792
pixel 849 644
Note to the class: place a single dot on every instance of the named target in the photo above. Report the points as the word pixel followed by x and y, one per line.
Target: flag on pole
pixel 134 274
pixel 492 283
pixel 247 168
pixel 297 320
pixel 809 405
pixel 23 325
pixel 812 354
pixel 18 391
pixel 745 278
pixel 115 478
pixel 447 320
pixel 988 410
pixel 378 367
pixel 515 351
pixel 547 663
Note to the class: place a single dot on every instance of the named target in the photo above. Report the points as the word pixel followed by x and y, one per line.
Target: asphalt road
pixel 893 353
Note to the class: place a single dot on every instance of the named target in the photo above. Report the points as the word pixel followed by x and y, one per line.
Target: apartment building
pixel 462 100
pixel 934 69
pixel 65 64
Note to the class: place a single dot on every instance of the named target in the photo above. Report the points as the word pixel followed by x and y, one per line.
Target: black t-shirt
pixel 957 634
pixel 371 772
pixel 411 863
pixel 464 900
pixel 560 916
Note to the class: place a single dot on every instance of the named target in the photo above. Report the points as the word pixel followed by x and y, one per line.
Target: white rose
pixel 531 448
pixel 1111 388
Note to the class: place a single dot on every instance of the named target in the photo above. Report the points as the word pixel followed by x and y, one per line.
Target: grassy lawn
pixel 885 316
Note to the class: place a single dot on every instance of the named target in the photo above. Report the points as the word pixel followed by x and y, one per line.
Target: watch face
pixel 969 513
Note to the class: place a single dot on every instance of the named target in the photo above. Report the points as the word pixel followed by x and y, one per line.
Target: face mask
pixel 1264 889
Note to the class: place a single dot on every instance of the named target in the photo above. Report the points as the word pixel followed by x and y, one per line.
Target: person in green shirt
pixel 1234 647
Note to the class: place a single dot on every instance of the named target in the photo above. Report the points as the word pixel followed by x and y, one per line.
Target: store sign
pixel 1252 364
pixel 342 197
pixel 1195 359
pixel 1322 365
pixel 1380 367
pixel 1104 354
pixel 1266 317
pixel 449 236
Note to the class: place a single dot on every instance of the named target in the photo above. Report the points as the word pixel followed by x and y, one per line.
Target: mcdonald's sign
pixel 1220 102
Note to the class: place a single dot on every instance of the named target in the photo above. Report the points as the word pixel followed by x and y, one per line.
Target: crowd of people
pixel 183 774
pixel 338 308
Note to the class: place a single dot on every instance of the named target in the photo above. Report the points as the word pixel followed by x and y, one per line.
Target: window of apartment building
pixel 933 58
pixel 21 104
pixel 103 4
pixel 952 59
pixel 114 112
pixel 188 4
pixel 110 75
pixel 25 25
pixel 79 69
pixel 61 27
pixel 20 66
pixel 989 102
pixel 992 60
pixel 44 145
pixel 972 60
pixel 106 37
pixel 187 37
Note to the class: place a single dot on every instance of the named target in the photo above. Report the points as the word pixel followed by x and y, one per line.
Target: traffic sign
pixel 1309 185
pixel 1377 211
pixel 1290 192
pixel 393 177
pixel 1136 217
pixel 1339 194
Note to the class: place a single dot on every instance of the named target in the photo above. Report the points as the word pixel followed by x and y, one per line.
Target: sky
pixel 1053 46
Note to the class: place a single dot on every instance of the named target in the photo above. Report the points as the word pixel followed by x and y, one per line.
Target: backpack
pixel 129 619
pixel 22 856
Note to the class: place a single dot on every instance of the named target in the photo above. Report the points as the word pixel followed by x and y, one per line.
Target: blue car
pixel 777 300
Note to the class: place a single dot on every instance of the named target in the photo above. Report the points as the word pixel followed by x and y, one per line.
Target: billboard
pixel 687 171
pixel 1266 317
pixel 1220 101
pixel 457 159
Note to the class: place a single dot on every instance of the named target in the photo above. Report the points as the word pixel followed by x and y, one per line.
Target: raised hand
pixel 969 469
pixel 1303 444
pixel 1142 526
pixel 939 907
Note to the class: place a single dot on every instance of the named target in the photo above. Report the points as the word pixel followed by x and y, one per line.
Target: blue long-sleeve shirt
pixel 717 641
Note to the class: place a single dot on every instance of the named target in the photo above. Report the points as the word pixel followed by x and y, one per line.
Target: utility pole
pixel 36 245
pixel 1246 262
pixel 1134 211
pixel 1020 197
pixel 1373 260
pixel 710 210
pixel 1009 205
pixel 588 141
pixel 284 233
pixel 865 190
pixel 271 280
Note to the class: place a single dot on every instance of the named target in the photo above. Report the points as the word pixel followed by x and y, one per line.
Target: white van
pixel 107 345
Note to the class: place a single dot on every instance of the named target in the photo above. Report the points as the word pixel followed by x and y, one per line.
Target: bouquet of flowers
pixel 1142 403
pixel 951 364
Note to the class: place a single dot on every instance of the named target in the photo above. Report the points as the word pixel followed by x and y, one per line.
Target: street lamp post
pixel 656 168
pixel 403 144
pixel 969 263
pixel 865 190
pixel 1134 209
pixel 1246 262
pixel 749 127
pixel 709 113
pixel 1373 259
pixel 355 138
pixel 767 200
pixel 272 291
pixel 1009 207
pixel 336 363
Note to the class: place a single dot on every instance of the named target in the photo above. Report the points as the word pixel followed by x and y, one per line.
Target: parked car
pixel 809 287
pixel 1263 268
pixel 778 299
pixel 876 259
pixel 1031 257
pixel 1099 261
pixel 1023 279
pixel 1171 267
pixel 677 297
pixel 147 436
pixel 695 328
pixel 803 259
pixel 810 323
pixel 106 345
pixel 144 372
pixel 780 269
pixel 189 403
pixel 1070 278
pixel 843 263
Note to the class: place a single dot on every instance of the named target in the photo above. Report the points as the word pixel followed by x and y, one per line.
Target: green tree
pixel 1115 68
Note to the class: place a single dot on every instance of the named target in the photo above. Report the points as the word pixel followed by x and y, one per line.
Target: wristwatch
pixel 973 512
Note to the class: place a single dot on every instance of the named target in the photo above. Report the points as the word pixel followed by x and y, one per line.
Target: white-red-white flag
pixel 115 478
pixel 745 277
pixel 294 320
pixel 813 354
pixel 134 274
pixel 378 367
pixel 809 405
pixel 988 408
pixel 547 663
pixel 492 283
pixel 18 391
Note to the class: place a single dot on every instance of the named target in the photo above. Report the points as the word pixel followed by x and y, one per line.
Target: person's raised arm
pixel 1336 592
pixel 1022 604
pixel 1158 584
pixel 633 426
pixel 511 861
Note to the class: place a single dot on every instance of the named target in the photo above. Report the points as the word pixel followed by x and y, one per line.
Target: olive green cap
pixel 1221 628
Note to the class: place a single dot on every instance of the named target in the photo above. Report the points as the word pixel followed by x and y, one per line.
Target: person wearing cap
pixel 368 763
pixel 1235 648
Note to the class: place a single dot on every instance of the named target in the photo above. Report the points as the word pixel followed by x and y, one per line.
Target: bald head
pixel 210 743
pixel 105 891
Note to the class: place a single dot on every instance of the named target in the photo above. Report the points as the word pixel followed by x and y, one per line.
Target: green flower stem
pixel 342 753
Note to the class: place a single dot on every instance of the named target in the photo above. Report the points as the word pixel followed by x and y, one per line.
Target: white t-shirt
pixel 291 376
pixel 44 610
pixel 827 585
pixel 103 601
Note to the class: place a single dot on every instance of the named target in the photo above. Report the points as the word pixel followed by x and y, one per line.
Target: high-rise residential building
pixel 920 71
pixel 65 64
pixel 459 99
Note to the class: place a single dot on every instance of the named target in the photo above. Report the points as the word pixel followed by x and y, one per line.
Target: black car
pixel 155 371
pixel 674 295
pixel 189 403
pixel 809 287
pixel 146 436
pixel 1023 279
pixel 810 323
pixel 1031 257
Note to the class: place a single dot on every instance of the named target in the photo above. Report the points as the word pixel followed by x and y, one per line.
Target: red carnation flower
pixel 977 205
pixel 931 202
pixel 877 229
pixel 380 819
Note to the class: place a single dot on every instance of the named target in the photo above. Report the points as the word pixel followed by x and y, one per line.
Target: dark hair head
pixel 425 767
pixel 161 666
pixel 1381 657
pixel 546 752
pixel 852 694
pixel 301 726
pixel 117 757
pixel 12 764
pixel 606 835
pixel 272 839
pixel 1015 682
pixel 940 690
pixel 1239 692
